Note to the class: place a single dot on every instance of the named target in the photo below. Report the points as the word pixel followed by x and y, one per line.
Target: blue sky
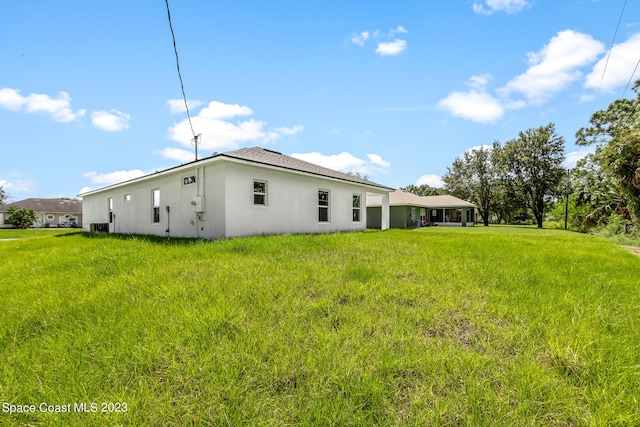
pixel 89 92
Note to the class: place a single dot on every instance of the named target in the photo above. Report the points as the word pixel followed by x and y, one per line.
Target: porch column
pixel 463 213
pixel 384 214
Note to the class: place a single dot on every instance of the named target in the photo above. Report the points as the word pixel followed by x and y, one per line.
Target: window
pixel 323 206
pixel 453 215
pixel 156 205
pixel 188 180
pixel 260 193
pixel 110 210
pixel 356 207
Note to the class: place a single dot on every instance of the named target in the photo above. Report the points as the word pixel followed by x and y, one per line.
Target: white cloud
pixel 220 111
pixel 480 81
pixel 479 147
pixel 183 156
pixel 345 162
pixel 11 99
pixel 398 29
pixel 572 158
pixel 507 6
pixel 555 66
pixel 587 97
pixel 17 186
pixel 58 108
pixel 110 121
pixel 176 106
pixel 84 190
pixel 384 47
pixel 290 131
pixel 112 177
pixel 220 132
pixel 477 106
pixel 622 61
pixel 377 160
pixel 360 39
pixel 391 48
pixel 431 180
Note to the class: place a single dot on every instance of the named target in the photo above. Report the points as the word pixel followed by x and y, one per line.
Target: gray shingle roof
pixel 47 205
pixel 404 198
pixel 261 156
pixel 273 158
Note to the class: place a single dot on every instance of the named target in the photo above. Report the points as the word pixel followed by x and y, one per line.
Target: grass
pixel 438 326
pixel 14 233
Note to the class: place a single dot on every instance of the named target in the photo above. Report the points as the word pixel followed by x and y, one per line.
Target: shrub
pixel 21 218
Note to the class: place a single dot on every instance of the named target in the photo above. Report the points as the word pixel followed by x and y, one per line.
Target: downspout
pixel 168 222
pixel 198 180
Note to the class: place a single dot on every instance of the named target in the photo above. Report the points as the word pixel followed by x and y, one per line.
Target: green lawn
pixel 14 233
pixel 439 326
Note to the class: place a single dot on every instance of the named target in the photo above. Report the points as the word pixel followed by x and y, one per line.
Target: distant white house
pixel 49 212
pixel 408 210
pixel 250 191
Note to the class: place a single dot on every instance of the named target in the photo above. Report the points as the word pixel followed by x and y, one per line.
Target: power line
pixel 614 39
pixel 631 78
pixel 196 138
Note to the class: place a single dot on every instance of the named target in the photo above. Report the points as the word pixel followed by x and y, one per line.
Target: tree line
pixel 525 176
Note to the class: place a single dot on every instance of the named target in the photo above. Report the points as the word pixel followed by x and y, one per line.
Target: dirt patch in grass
pixel 633 249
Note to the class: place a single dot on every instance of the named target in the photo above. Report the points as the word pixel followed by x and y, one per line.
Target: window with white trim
pixel 155 196
pixel 110 210
pixel 260 193
pixel 356 207
pixel 323 206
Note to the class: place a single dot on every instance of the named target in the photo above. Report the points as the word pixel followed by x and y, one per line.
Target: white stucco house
pixel 250 191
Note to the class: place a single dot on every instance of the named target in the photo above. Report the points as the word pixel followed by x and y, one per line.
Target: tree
pixel 358 175
pixel 616 131
pixel 21 218
pixel 424 190
pixel 3 196
pixel 507 199
pixel 473 177
pixel 533 161
pixel 597 193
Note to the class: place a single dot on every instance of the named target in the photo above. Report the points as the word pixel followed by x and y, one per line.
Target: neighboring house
pixel 50 212
pixel 250 191
pixel 408 210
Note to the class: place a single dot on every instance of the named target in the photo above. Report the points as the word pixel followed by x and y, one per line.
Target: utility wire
pixel 613 41
pixel 631 78
pixel 175 49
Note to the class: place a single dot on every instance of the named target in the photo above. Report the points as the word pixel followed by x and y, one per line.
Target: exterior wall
pixel 374 217
pixel 400 216
pixel 133 206
pixel 47 220
pixel 226 208
pixel 57 219
pixel 291 203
